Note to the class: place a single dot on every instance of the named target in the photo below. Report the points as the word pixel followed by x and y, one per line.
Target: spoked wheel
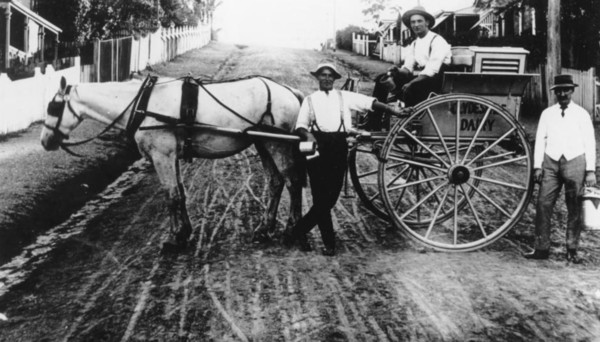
pixel 363 162
pixel 363 167
pixel 456 174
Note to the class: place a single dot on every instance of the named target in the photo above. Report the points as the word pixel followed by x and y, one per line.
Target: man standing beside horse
pixel 325 119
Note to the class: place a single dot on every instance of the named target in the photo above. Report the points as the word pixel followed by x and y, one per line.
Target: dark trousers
pixel 418 91
pixel 571 174
pixel 326 174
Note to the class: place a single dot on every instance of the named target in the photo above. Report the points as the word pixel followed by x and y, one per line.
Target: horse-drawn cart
pixel 456 174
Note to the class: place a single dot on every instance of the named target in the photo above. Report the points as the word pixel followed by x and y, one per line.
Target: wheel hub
pixel 458 174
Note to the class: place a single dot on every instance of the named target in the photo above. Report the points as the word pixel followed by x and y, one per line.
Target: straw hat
pixel 329 65
pixel 420 10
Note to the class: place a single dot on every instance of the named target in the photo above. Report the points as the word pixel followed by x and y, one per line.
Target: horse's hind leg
pixel 288 167
pixel 276 182
pixel 167 168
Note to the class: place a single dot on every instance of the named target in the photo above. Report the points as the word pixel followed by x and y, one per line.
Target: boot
pixel 538 254
pixel 572 256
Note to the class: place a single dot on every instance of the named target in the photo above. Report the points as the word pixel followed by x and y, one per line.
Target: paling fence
pixel 115 59
pixel 24 101
pixel 585 95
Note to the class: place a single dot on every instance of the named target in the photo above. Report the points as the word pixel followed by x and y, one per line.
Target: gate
pixel 110 61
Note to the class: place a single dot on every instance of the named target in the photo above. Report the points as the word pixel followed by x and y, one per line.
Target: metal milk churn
pixel 590 214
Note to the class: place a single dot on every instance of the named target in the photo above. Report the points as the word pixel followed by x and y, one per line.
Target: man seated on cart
pixel 423 69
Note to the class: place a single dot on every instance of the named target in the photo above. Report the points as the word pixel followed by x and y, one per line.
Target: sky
pixel 300 23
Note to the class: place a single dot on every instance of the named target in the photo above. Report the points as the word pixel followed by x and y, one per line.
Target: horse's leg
pixel 276 182
pixel 167 168
pixel 291 168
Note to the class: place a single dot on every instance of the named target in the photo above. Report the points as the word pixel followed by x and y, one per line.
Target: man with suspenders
pixel 325 119
pixel 426 59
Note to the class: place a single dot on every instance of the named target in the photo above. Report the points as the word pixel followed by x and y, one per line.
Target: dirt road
pixel 99 275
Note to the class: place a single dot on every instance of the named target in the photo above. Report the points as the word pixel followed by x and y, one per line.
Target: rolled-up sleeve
pixel 589 142
pixel 409 60
pixel 540 142
pixel 303 120
pixel 440 50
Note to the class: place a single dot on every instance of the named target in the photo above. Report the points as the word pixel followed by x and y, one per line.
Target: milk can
pixel 591 208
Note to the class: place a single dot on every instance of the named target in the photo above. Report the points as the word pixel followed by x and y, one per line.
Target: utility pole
pixel 553 48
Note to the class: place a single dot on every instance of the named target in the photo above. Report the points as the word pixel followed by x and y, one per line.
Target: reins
pixel 65 145
pixel 149 82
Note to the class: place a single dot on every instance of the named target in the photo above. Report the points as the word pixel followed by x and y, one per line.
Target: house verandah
pixel 24 35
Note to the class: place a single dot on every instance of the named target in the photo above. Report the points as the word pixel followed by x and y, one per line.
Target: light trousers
pixel 571 174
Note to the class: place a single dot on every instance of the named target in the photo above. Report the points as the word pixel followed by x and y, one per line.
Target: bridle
pixel 57 108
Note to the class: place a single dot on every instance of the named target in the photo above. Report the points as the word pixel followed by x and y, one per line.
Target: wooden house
pixel 24 34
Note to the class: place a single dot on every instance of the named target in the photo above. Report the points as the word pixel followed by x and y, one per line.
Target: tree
pixel 374 8
pixel 99 19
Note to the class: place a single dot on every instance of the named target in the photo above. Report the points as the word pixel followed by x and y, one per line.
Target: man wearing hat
pixel 427 57
pixel 565 154
pixel 325 119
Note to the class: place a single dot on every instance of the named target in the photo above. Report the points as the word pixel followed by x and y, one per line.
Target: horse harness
pixel 56 109
pixel 187 113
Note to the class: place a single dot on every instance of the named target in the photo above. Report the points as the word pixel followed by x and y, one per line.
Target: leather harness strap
pixel 188 110
pixel 139 112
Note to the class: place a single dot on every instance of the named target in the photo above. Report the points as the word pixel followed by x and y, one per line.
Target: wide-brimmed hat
pixel 563 81
pixel 420 10
pixel 329 65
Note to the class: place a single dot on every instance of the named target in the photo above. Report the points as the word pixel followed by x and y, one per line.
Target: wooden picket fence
pixel 115 59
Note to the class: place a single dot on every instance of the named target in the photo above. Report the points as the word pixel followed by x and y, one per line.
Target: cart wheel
pixel 362 165
pixel 456 174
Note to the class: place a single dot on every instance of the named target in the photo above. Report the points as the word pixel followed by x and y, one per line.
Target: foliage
pixel 343 37
pixel 580 32
pixel 61 13
pixel 375 8
pixel 99 19
pixel 84 20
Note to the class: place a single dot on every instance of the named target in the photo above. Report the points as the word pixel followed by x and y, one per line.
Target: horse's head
pixel 61 118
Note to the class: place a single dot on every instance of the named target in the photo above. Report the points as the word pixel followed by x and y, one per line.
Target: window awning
pixel 482 17
pixel 441 18
pixel 35 17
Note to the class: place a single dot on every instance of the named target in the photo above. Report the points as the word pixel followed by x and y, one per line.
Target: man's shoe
pixel 573 258
pixel 290 240
pixel 303 244
pixel 537 254
pixel 328 251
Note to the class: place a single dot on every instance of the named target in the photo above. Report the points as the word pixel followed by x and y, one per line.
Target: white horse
pixel 231 105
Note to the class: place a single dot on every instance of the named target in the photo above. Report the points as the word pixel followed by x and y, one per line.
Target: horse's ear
pixel 63 83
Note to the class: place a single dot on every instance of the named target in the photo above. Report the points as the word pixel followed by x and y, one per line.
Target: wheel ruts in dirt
pixel 457 174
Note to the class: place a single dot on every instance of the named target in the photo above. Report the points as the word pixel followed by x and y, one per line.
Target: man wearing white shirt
pixel 565 154
pixel 425 61
pixel 325 119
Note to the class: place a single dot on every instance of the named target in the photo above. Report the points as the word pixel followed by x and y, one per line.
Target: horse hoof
pixel 261 237
pixel 170 247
